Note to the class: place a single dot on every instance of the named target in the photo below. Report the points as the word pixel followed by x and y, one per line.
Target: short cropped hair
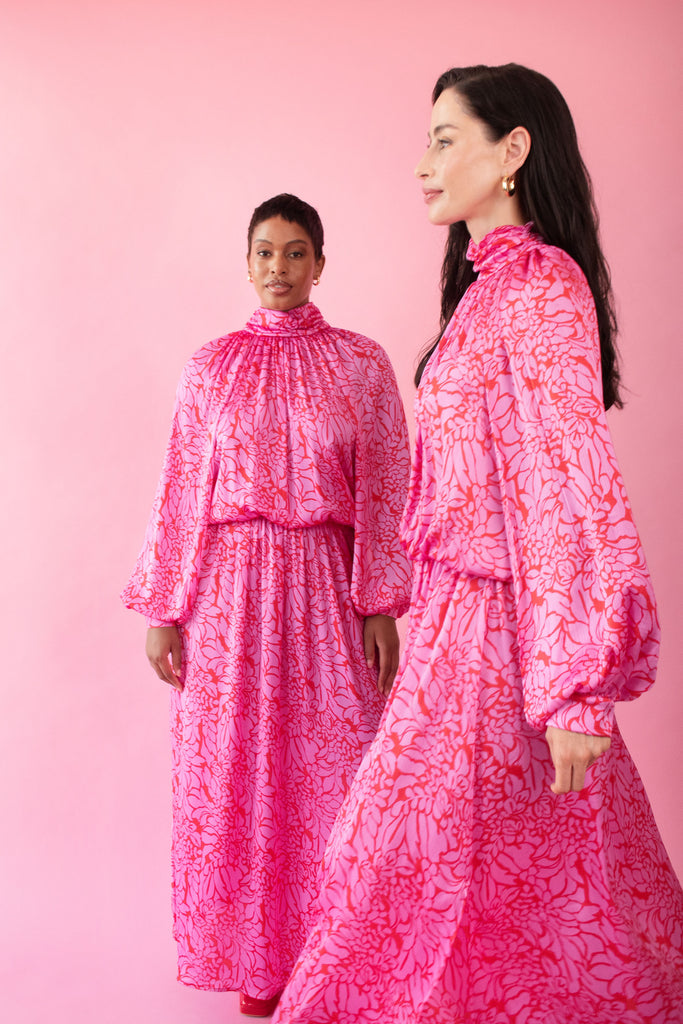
pixel 293 210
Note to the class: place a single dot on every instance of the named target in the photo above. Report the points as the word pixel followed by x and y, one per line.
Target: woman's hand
pixel 164 651
pixel 573 753
pixel 380 640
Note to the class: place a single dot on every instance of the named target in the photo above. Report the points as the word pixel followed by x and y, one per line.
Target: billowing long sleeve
pixel 381 578
pixel 165 577
pixel 588 632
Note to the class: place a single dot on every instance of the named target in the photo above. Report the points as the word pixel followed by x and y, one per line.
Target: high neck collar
pixel 301 319
pixel 500 246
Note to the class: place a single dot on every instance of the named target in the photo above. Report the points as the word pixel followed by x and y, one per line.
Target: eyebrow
pixel 292 241
pixel 441 127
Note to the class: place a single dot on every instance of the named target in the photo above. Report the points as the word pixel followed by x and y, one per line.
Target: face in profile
pixel 461 171
pixel 282 264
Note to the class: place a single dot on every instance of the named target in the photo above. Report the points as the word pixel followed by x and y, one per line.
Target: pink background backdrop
pixel 137 138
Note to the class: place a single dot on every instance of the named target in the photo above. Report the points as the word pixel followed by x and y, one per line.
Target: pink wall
pixel 137 138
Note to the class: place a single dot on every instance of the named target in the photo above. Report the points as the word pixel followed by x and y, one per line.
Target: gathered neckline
pixel 499 247
pixel 301 319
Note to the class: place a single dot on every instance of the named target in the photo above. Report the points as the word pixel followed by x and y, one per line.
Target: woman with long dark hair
pixel 270 577
pixel 496 860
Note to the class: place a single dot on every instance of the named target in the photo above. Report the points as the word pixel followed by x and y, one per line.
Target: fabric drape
pixel 457 888
pixel 273 534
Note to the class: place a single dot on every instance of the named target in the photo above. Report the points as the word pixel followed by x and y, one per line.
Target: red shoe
pixel 252 1007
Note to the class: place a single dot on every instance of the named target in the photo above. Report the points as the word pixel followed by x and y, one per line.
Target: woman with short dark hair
pixel 270 576
pixel 496 860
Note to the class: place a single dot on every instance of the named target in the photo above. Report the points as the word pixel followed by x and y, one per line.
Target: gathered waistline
pixel 428 566
pixel 263 522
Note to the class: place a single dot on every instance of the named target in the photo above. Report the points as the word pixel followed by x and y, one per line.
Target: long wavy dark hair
pixel 553 186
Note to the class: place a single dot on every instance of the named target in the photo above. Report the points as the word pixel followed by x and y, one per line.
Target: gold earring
pixel 249 277
pixel 508 184
pixel 316 280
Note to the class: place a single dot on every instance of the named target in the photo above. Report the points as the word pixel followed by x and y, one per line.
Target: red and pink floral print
pixel 273 534
pixel 458 889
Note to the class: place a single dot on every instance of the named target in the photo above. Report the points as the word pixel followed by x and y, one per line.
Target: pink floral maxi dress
pixel 458 889
pixel 274 532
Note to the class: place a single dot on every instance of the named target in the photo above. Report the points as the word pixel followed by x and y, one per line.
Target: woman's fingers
pixel 165 654
pixel 573 753
pixel 388 664
pixel 381 646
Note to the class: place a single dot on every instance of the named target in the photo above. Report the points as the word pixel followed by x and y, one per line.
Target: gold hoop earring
pixel 509 185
